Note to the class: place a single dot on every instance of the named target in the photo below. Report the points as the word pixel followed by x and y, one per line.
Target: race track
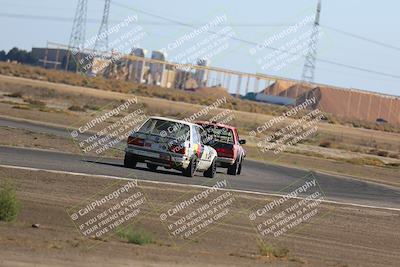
pixel 256 176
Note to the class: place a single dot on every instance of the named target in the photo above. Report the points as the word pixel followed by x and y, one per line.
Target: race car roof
pixel 217 124
pixel 173 120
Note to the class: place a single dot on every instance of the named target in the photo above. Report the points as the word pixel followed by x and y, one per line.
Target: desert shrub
pixel 325 144
pixel 91 107
pixel 76 108
pixel 35 103
pixel 270 250
pixel 135 236
pixel 366 161
pixel 383 153
pixel 24 107
pixel 9 204
pixel 393 164
pixel 16 94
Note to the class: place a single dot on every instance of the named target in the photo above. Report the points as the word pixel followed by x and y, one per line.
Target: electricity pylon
pixel 309 65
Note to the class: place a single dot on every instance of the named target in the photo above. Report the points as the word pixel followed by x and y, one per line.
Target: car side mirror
pixel 242 141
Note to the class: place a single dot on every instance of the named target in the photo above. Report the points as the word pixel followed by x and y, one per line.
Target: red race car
pixel 225 140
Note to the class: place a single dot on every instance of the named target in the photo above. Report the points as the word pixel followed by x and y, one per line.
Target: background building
pixel 157 69
pixel 50 58
pixel 137 67
pixel 201 74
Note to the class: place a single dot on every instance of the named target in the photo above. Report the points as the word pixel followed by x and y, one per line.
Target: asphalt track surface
pixel 256 176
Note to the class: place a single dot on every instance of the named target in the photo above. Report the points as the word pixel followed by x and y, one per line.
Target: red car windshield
pixel 219 134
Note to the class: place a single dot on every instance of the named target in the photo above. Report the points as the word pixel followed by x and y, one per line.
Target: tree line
pixel 19 55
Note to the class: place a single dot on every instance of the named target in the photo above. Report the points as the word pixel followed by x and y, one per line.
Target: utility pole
pixel 102 36
pixel 77 38
pixel 309 66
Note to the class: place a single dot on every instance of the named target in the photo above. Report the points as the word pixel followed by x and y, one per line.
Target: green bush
pixel 135 236
pixel 91 107
pixel 269 250
pixel 9 204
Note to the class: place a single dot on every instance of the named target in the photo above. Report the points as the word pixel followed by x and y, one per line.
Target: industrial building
pixel 50 58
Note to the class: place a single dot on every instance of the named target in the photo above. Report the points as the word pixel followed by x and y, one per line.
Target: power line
pixel 254 43
pixel 155 23
pixel 174 22
pixel 360 69
pixel 37 17
pixel 362 38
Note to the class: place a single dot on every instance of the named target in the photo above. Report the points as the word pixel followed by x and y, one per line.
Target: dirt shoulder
pixel 343 236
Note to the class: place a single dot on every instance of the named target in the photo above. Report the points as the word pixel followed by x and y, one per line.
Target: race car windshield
pixel 219 134
pixel 170 129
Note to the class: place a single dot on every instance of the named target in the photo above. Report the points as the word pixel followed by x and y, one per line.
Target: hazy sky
pixel 251 21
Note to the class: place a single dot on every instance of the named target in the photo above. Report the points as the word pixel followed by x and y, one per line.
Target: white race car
pixel 172 144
